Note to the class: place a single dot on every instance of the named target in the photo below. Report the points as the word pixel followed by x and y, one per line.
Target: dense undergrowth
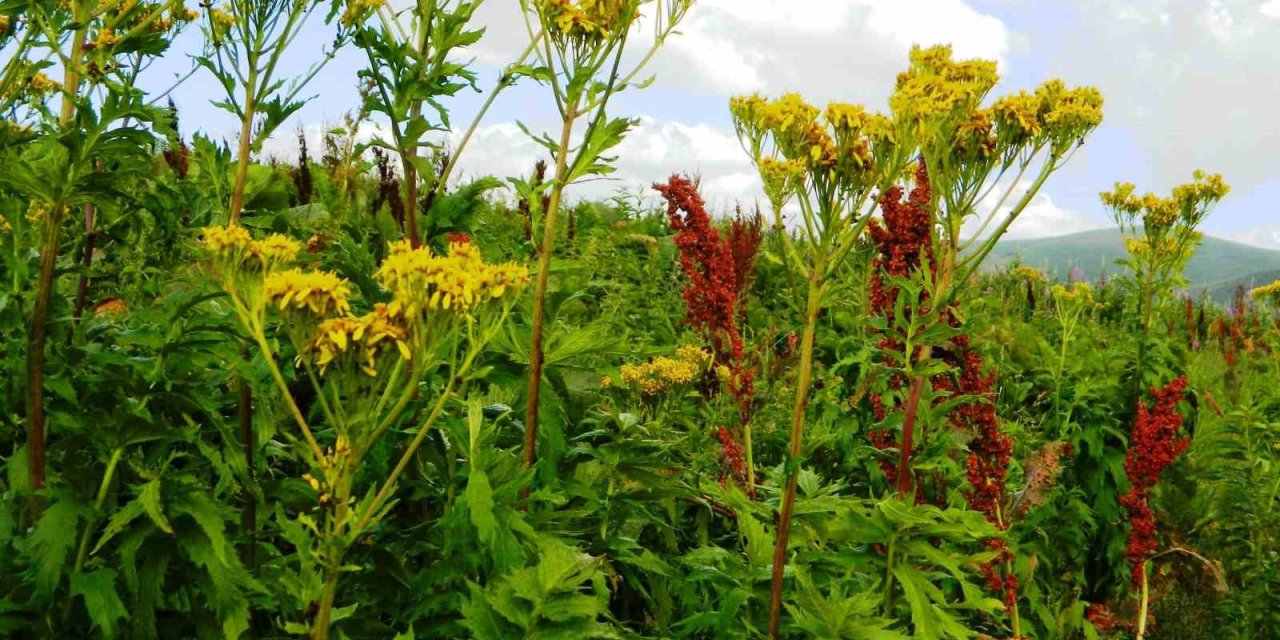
pixel 352 397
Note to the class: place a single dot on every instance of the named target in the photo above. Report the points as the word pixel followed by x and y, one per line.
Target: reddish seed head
pixel 1154 445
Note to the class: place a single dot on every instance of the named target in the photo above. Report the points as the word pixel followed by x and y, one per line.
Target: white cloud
pixel 1264 236
pixel 1042 218
pixel 650 153
pixel 1190 81
pixel 827 49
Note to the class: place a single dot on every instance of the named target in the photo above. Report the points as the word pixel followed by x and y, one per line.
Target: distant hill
pixel 1217 267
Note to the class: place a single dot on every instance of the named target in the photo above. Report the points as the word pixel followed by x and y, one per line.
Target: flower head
pixel 318 293
pixel 358 339
pixel 458 281
pixel 227 245
pixel 663 372
pixel 275 250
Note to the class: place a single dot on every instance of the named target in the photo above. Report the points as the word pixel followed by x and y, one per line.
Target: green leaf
pixel 51 542
pixel 119 520
pixel 479 497
pixel 98 588
pixel 151 501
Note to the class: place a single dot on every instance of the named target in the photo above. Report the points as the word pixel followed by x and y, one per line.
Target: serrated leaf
pixel 479 497
pixel 98 588
pixel 51 542
pixel 150 499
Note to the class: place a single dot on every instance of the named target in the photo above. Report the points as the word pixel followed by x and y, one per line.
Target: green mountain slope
pixel 1217 267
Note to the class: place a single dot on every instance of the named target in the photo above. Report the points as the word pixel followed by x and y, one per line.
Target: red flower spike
pixel 1154 445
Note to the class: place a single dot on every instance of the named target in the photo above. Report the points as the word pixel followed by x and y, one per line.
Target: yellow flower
pixel 364 338
pixel 1122 198
pixel 788 116
pixel 37 211
pixel 319 292
pixel 358 10
pixel 663 372
pixel 228 245
pixel 221 19
pixel 1029 273
pixel 1269 293
pixel 275 250
pixel 1078 292
pixel 460 280
pixel 935 85
pixel 105 39
pixel 588 21
pixel 40 85
pixel 1018 116
pixel 1070 114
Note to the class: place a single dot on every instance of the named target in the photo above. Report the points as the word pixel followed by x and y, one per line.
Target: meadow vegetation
pixel 358 396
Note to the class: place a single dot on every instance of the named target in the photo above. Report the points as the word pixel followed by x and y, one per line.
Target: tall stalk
pixel 46 280
pixel 243 148
pixel 545 249
pixel 803 382
pixel 585 73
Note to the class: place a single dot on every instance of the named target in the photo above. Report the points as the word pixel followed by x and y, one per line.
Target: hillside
pixel 1217 267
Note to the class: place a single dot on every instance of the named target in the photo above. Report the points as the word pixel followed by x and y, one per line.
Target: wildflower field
pixel 364 395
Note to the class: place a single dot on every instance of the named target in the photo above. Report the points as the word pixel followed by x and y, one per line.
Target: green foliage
pixel 182 499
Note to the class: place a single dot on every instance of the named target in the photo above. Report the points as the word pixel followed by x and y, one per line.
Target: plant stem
pixel 803 382
pixel 45 283
pixel 1142 605
pixel 540 289
pixel 249 514
pixel 888 576
pixel 908 434
pixel 390 482
pixel 36 345
pixel 246 140
pixel 86 263
pixel 341 488
pixel 83 552
pixel 504 81
pixel 288 396
pixel 321 630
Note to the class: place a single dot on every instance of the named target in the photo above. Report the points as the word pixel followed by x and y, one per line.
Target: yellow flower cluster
pixel 221 19
pixel 318 292
pixel 782 179
pixel 588 21
pixel 935 85
pixel 1268 293
pixel 40 84
pixel 105 39
pixel 37 211
pixel 4 26
pixel 337 457
pixel 177 14
pixel 1186 206
pixel 1062 115
pixel 234 248
pixel 363 337
pixel 1078 293
pixel 662 373
pixel 1029 273
pixel 460 280
pixel 358 10
pixel 837 144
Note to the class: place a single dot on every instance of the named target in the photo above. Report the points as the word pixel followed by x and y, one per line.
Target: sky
pixel 1188 84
